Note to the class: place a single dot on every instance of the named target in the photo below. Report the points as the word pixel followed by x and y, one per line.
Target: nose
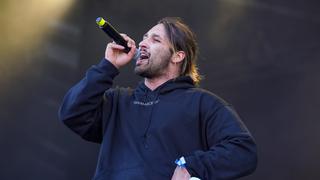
pixel 143 43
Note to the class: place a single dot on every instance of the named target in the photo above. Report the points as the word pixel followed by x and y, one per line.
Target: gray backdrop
pixel 261 56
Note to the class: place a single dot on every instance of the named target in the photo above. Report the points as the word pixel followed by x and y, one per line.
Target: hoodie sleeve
pixel 81 109
pixel 231 150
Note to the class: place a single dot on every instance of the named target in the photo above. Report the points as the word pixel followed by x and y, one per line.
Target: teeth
pixel 144 55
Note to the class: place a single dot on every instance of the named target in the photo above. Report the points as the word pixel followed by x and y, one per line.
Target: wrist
pixel 113 63
pixel 181 162
pixel 108 68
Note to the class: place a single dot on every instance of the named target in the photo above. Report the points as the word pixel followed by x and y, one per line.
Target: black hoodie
pixel 142 132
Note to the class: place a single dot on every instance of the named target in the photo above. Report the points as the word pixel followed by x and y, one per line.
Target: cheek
pixel 161 52
pixel 166 55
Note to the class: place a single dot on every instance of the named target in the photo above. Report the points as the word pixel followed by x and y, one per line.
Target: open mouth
pixel 144 56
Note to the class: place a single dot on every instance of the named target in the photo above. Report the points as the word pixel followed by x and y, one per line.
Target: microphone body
pixel 115 35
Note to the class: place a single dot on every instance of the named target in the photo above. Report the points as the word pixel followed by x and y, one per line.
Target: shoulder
pixel 208 96
pixel 213 106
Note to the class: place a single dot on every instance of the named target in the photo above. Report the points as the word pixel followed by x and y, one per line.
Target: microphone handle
pixel 113 33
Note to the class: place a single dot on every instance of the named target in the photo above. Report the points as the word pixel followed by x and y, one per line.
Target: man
pixel 143 131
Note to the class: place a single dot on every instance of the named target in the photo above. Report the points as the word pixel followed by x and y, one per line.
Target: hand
pixel 115 54
pixel 180 173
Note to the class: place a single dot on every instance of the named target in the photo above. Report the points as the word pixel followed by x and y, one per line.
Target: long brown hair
pixel 183 39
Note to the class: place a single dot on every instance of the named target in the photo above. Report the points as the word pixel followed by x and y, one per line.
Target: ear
pixel 178 57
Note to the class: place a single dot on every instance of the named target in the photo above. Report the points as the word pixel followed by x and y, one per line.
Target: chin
pixel 139 71
pixel 143 73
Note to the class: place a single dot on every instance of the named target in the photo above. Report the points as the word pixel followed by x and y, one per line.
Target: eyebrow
pixel 152 35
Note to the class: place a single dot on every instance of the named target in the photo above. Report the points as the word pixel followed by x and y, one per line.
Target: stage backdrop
pixel 261 56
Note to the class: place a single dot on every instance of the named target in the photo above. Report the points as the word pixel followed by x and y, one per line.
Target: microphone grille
pixel 100 21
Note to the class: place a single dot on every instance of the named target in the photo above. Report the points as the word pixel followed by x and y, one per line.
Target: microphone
pixel 115 35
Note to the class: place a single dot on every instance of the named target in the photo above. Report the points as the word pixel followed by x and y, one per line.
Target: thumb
pixel 132 51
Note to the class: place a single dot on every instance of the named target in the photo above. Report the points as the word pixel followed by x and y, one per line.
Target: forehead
pixel 158 30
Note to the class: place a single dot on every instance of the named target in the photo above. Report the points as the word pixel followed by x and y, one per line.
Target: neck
pixel 170 73
pixel 153 83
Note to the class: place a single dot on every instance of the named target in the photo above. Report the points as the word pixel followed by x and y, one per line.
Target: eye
pixel 156 40
pixel 144 37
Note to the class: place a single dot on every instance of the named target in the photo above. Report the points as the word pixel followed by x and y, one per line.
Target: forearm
pixel 230 159
pixel 231 151
pixel 81 107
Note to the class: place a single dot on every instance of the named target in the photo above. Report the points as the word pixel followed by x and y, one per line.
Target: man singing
pixel 165 128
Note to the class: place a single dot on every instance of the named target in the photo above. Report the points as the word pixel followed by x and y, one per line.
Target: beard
pixel 154 67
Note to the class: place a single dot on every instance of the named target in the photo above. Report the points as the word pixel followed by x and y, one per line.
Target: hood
pixel 143 95
pixel 183 82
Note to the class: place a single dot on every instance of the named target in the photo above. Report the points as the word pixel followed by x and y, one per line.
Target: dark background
pixel 262 56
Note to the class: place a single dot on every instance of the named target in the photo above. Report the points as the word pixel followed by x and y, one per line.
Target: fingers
pixel 130 41
pixel 113 45
pixel 131 44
